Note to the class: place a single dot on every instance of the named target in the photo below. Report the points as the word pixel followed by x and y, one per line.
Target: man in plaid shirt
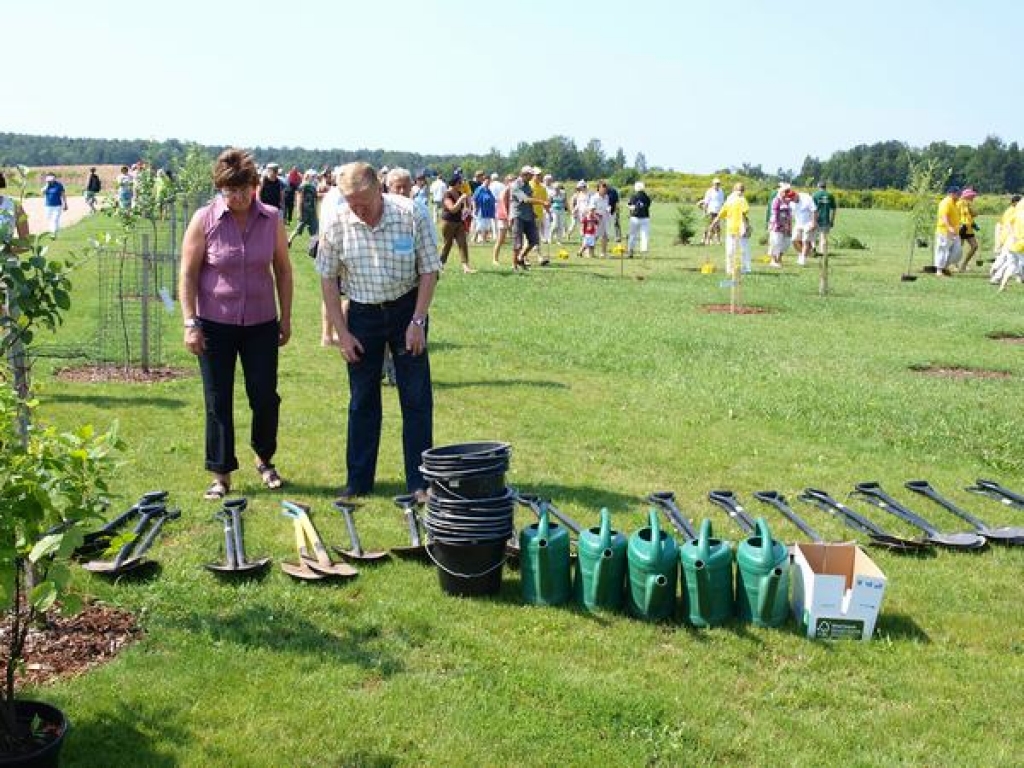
pixel 379 250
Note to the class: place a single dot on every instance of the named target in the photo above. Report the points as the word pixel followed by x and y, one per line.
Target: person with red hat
pixel 968 228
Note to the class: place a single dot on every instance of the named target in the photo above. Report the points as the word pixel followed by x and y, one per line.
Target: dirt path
pixel 36 212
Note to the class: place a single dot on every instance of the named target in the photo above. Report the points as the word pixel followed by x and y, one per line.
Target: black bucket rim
pixel 469 449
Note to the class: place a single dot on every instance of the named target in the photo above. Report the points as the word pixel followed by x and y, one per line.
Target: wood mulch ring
pixel 742 309
pixel 1008 337
pixel 67 646
pixel 960 372
pixel 100 374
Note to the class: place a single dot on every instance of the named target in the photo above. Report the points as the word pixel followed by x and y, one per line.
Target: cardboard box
pixel 837 590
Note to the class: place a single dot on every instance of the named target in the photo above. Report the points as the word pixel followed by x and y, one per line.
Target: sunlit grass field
pixel 610 380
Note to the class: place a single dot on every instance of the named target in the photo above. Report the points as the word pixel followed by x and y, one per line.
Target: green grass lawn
pixel 610 381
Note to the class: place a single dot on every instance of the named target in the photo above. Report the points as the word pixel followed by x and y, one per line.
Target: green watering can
pixel 601 566
pixel 762 578
pixel 544 562
pixel 707 578
pixel 653 571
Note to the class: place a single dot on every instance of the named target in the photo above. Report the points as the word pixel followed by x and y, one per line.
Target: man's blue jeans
pixel 377 326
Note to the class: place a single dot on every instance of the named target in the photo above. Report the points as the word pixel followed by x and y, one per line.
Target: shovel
pixel 666 502
pixel 356 551
pixel 877 536
pixel 236 563
pixel 995 491
pixel 777 500
pixel 416 549
pixel 1009 535
pixel 872 493
pixel 132 555
pixel 315 566
pixel 727 500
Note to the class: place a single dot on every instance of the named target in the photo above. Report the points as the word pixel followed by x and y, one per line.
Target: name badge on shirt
pixel 403 245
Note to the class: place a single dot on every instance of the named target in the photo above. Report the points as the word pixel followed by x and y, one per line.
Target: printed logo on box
pixel 834 629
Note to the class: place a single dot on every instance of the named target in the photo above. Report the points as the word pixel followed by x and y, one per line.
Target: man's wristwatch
pixel 193 322
pixel 420 320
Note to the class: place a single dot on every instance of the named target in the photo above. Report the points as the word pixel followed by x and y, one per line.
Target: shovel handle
pixel 826 503
pixel 873 494
pixel 151 535
pixel 238 534
pixel 777 500
pixel 1006 493
pixel 350 524
pixel 924 488
pixel 229 540
pixel 564 519
pixel 727 501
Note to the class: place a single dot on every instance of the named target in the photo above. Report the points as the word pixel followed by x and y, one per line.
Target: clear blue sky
pixel 694 87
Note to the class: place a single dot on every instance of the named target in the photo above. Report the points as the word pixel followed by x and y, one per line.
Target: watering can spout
pixel 656 583
pixel 769 588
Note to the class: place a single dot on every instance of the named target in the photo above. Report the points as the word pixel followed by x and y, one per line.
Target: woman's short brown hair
pixel 235 168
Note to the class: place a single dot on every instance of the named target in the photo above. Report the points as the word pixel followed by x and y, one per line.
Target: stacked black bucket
pixel 470 514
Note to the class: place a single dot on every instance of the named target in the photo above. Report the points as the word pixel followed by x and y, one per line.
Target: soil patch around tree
pixel 959 372
pixel 67 646
pixel 742 309
pixel 101 374
pixel 1009 337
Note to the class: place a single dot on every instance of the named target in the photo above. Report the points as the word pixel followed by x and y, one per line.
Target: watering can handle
pixel 544 523
pixel 767 545
pixel 606 528
pixel 704 540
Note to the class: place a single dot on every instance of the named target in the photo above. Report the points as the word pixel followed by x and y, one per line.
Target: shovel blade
pixel 339 570
pixel 301 571
pixel 362 556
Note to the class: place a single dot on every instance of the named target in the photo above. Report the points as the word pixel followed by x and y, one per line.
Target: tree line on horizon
pixel 558 155
pixel 992 167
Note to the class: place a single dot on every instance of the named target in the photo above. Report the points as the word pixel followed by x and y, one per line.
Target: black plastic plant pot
pixel 467 451
pixel 472 511
pixel 473 487
pixel 505 501
pixel 43 749
pixel 469 570
pixel 453 532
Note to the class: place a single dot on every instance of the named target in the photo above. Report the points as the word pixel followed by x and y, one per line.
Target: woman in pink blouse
pixel 236 297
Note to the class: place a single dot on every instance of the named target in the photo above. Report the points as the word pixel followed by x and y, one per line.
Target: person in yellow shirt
pixel 947 233
pixel 968 230
pixel 1003 238
pixel 1014 244
pixel 736 212
pixel 540 193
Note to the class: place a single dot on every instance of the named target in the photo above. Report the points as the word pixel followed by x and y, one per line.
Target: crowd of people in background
pixel 532 211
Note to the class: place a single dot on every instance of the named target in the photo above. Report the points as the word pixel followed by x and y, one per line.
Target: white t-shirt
pixel 804 210
pixel 714 199
pixel 497 188
pixel 600 204
pixel 438 189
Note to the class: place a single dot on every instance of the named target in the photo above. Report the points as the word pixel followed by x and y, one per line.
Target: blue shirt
pixel 54 194
pixel 484 201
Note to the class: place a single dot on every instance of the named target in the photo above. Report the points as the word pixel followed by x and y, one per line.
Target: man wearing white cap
pixel 271 190
pixel 712 203
pixel 523 216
